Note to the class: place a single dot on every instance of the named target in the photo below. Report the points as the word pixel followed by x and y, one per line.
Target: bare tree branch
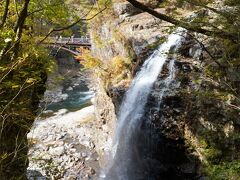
pixel 73 24
pixel 18 28
pixel 205 49
pixel 200 4
pixel 188 26
pixel 10 70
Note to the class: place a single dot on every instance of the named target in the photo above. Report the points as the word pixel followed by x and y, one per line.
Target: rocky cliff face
pixel 128 34
pixel 196 120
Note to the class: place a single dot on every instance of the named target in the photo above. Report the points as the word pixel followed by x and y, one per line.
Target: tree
pixel 23 71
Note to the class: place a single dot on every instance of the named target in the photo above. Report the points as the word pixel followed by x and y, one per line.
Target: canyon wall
pixel 196 116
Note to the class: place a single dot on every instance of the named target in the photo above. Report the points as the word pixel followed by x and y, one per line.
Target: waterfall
pixel 132 108
pixel 167 82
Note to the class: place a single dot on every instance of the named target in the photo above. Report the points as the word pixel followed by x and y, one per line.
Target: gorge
pixel 154 96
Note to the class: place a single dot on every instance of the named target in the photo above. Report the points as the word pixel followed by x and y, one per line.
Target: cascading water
pixel 125 163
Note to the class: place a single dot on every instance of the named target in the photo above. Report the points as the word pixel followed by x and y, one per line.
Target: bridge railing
pixel 66 40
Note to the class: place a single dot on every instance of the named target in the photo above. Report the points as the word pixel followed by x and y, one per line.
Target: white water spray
pixel 132 108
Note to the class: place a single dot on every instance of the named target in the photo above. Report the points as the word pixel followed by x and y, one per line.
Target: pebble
pixel 73 150
pixel 87 158
pixel 46 157
pixel 84 155
pixel 69 89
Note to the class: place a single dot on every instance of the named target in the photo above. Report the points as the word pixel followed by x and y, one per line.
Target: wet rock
pixel 196 52
pixel 69 89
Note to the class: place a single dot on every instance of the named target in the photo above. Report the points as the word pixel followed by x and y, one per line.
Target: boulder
pixel 57 151
pixel 151 3
pixel 125 9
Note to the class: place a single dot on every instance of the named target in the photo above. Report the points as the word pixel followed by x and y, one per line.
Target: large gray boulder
pixel 125 9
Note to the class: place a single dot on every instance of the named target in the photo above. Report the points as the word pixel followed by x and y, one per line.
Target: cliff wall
pixel 197 116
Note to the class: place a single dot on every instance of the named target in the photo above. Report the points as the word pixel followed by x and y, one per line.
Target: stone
pixel 69 89
pixel 47 112
pixel 61 136
pixel 84 155
pixel 50 142
pixel 46 157
pixel 196 52
pixel 57 151
pixel 151 3
pixel 125 9
pixel 72 150
pixel 61 112
pixel 87 158
pixel 34 174
pixel 48 139
pixel 65 158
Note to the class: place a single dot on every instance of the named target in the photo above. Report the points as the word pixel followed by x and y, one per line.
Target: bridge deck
pixel 70 41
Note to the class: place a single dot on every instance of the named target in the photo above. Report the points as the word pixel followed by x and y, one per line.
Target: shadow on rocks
pixel 35 175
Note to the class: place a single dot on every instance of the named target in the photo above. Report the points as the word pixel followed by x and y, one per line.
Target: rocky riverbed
pixel 63 137
pixel 66 139
pixel 62 146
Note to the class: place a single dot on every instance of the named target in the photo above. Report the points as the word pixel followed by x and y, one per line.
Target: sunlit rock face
pixel 192 125
pixel 151 3
pixel 167 151
pixel 140 150
pixel 130 33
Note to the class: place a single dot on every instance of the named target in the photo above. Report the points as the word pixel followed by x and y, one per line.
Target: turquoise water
pixel 79 97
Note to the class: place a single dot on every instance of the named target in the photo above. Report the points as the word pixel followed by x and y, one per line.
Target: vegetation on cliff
pixel 214 102
pixel 212 107
pixel 23 71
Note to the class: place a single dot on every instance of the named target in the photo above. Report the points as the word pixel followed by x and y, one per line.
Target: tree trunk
pixel 14 126
pixel 4 17
pixel 18 29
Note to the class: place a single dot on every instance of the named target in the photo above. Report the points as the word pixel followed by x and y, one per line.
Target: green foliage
pixel 87 60
pixel 98 6
pixel 222 171
pixel 24 65
pixel 97 40
pixel 154 45
pixel 48 14
pixel 111 73
pixel 232 3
